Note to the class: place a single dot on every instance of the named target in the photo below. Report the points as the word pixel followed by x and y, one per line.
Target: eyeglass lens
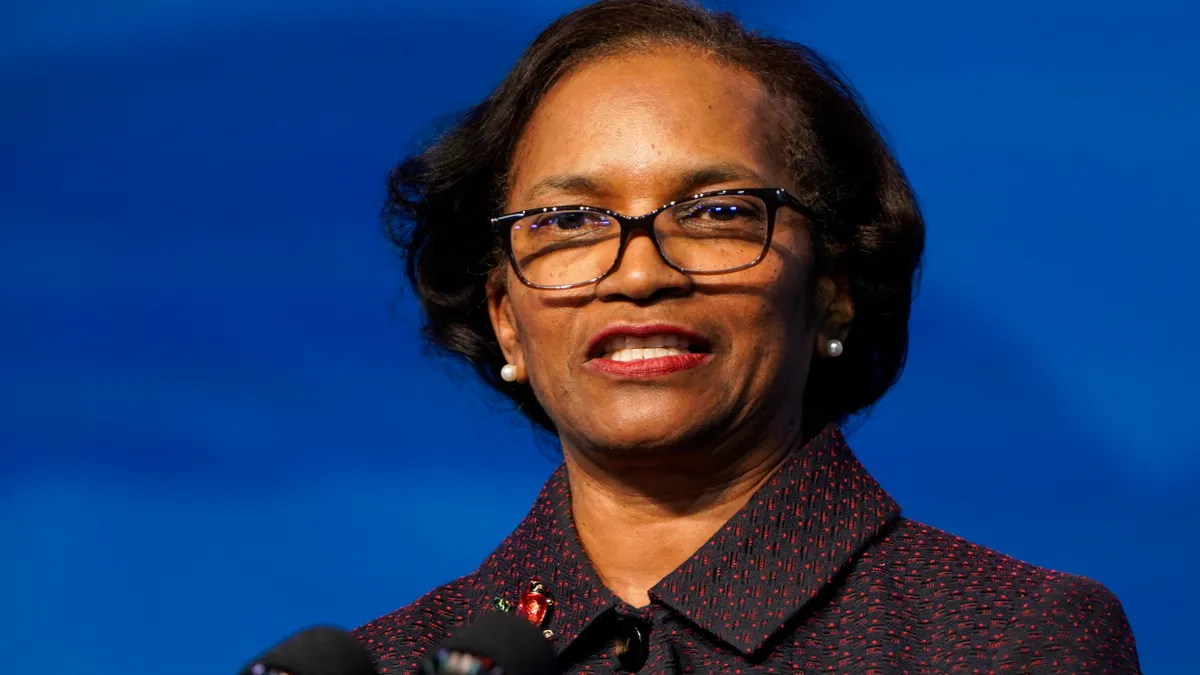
pixel 706 235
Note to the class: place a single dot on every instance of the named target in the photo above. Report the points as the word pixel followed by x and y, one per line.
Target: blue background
pixel 216 427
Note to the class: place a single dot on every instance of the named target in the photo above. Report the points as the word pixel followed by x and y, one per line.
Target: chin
pixel 647 431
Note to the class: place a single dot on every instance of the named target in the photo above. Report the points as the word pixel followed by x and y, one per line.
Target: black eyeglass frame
pixel 773 198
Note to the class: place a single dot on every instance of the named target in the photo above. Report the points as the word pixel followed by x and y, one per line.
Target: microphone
pixel 321 650
pixel 494 644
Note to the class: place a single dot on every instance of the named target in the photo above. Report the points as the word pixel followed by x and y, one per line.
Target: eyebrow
pixel 714 174
pixel 570 183
pixel 689 183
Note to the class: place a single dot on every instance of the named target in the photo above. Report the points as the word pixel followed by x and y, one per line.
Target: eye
pixel 569 220
pixel 719 210
pixel 724 212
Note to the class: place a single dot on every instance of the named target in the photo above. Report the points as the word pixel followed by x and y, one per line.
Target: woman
pixel 695 360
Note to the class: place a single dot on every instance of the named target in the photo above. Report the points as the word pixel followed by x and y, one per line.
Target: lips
pixel 630 348
pixel 647 350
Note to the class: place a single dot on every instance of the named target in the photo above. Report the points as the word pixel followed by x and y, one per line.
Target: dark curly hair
pixel 870 234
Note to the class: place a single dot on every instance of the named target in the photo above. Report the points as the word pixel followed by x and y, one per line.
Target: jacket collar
pixel 790 541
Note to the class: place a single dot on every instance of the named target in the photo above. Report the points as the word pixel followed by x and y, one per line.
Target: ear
pixel 504 322
pixel 836 311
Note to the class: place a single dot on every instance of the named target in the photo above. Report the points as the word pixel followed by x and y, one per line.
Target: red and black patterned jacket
pixel 818 573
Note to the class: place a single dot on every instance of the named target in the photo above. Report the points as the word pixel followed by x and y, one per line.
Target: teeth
pixel 668 341
pixel 643 354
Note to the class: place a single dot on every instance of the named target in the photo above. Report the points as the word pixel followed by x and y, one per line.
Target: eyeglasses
pixel 561 247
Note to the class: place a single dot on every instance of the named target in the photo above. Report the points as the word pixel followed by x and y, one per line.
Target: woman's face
pixel 630 134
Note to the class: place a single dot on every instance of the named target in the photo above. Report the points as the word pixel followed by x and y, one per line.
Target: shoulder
pixel 400 640
pixel 1035 620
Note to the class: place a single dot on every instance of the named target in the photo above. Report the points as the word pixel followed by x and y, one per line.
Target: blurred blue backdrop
pixel 217 428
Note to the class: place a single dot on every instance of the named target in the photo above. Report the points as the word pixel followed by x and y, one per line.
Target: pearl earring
pixel 508 373
pixel 834 347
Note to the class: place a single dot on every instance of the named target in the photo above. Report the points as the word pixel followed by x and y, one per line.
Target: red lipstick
pixel 662 365
pixel 698 354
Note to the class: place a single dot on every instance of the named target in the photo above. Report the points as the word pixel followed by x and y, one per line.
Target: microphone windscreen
pixel 321 650
pixel 508 640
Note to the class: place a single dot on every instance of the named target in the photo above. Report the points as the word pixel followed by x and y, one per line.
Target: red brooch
pixel 534 605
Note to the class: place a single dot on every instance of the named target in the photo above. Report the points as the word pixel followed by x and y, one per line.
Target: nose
pixel 642 274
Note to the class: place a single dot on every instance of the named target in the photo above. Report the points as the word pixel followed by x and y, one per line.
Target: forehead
pixel 637 122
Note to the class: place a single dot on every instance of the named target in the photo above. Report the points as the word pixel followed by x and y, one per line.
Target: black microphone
pixel 321 650
pixel 494 644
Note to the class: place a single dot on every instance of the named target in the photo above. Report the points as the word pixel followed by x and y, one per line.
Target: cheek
pixel 790 299
pixel 544 330
pixel 779 307
pixel 791 275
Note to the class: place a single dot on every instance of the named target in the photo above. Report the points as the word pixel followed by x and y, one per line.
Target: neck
pixel 640 517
